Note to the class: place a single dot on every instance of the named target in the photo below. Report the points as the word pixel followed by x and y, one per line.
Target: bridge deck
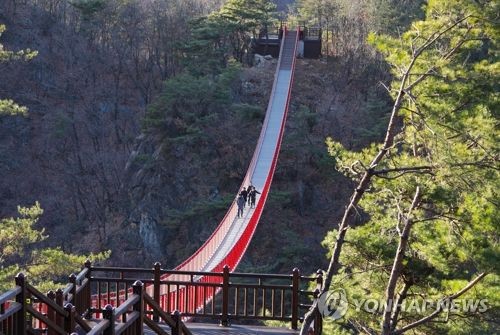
pixel 276 112
pixel 234 231
pixel 211 329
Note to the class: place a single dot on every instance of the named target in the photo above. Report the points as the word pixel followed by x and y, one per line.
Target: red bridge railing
pixel 201 257
pixel 211 247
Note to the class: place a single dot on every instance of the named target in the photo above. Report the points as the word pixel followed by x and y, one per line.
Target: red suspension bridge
pixel 108 300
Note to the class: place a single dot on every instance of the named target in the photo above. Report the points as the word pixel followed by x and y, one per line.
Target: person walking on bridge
pixel 244 193
pixel 241 204
pixel 249 190
pixel 253 195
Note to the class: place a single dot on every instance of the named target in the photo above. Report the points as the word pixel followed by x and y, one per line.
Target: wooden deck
pixel 214 329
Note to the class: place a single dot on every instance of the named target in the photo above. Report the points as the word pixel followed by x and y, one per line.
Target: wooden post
pixel 20 320
pixel 87 291
pixel 318 318
pixel 59 302
pixel 319 279
pixel 69 321
pixel 225 296
pixel 3 325
pixel 156 288
pixel 109 314
pixel 295 297
pixel 316 293
pixel 138 288
pixel 72 280
pixel 51 314
pixel 318 323
pixel 176 316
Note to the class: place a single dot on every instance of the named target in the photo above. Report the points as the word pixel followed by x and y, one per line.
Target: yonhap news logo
pixel 333 304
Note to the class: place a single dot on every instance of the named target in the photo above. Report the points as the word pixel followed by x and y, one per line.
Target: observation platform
pixel 309 43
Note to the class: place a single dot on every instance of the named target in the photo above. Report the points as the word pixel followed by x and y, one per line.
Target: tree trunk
pixel 397 266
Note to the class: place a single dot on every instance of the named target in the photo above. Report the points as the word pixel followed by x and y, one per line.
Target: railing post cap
pixel 316 293
pixel 319 272
pixel 137 283
pixel 176 313
pixel 157 265
pixel 72 276
pixel 296 270
pixel 69 306
pixel 226 267
pixel 51 294
pixel 88 263
pixel 59 291
pixel 20 279
pixel 108 307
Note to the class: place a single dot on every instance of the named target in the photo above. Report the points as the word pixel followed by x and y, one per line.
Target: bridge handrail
pixel 123 308
pixel 9 295
pixel 43 299
pixel 194 273
pixel 234 284
pixel 100 327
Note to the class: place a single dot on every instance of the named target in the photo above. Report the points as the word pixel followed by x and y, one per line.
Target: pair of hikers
pixel 252 195
pixel 246 195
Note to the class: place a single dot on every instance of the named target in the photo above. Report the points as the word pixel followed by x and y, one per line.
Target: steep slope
pixel 179 195
pixel 104 185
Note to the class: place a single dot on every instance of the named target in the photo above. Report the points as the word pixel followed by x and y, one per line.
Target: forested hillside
pixel 80 152
pixel 134 122
pixel 99 64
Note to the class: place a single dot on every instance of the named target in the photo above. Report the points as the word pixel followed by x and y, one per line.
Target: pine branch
pixel 399 300
pixel 440 306
pixel 403 171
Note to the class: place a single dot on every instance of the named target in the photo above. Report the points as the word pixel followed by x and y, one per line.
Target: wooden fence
pixel 111 300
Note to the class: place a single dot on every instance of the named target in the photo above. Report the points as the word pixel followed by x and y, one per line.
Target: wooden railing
pixel 12 308
pixel 24 306
pixel 240 295
pixel 25 310
pixel 110 300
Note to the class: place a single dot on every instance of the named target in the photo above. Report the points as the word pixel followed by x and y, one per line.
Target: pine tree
pixel 8 106
pixel 20 251
pixel 431 189
pixel 226 34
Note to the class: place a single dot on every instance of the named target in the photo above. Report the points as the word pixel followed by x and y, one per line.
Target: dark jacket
pixel 244 193
pixel 240 201
pixel 253 193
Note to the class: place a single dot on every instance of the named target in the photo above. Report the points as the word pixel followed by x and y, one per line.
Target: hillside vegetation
pixel 133 123
pixel 79 150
